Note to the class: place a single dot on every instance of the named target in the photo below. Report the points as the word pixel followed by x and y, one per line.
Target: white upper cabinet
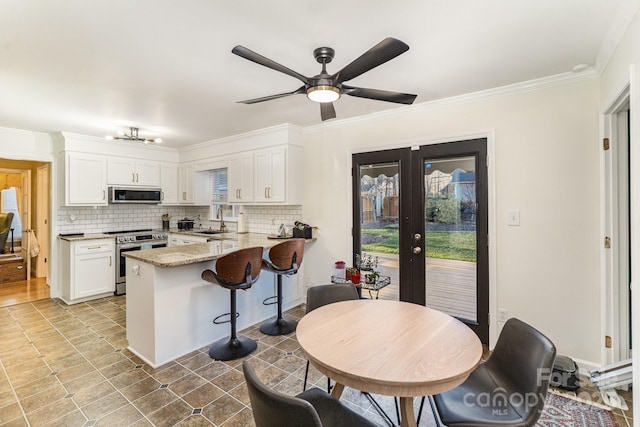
pixel 185 184
pixel 132 172
pixel 193 187
pixel 240 179
pixel 278 175
pixel 270 175
pixel 169 183
pixel 85 179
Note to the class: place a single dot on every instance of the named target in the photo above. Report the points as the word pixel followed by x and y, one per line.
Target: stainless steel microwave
pixel 135 195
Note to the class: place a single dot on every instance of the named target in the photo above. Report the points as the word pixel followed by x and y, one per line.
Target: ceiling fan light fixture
pixel 323 93
pixel 133 136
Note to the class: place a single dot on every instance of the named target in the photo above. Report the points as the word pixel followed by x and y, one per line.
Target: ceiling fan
pixel 325 88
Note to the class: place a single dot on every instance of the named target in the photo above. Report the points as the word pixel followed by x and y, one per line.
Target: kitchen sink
pixel 210 232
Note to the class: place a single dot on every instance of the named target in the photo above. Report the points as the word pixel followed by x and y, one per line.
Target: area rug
pixel 560 411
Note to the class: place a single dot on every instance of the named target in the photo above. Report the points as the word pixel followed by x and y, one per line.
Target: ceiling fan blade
pixel 384 51
pixel 270 97
pixel 264 61
pixel 380 95
pixel 327 111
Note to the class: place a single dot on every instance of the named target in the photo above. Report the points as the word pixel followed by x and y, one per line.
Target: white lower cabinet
pixel 87 269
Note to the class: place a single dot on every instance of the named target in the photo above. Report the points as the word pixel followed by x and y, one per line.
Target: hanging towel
pixel 34 247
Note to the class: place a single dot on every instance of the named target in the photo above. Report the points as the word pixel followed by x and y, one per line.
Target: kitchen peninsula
pixel 170 308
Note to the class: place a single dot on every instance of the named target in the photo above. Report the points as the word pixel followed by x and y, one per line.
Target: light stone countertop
pixel 86 237
pixel 199 233
pixel 175 256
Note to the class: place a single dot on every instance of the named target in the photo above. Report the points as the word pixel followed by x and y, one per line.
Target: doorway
pixel 421 222
pixel 26 193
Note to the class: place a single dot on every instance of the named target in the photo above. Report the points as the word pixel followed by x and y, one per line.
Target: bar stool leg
pixel 279 326
pixel 236 347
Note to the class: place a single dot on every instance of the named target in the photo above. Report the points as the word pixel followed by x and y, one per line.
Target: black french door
pixel 421 216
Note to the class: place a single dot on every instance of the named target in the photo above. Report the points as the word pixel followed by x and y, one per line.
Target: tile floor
pixel 69 366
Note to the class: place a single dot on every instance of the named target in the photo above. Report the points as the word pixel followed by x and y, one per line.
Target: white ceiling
pixel 94 67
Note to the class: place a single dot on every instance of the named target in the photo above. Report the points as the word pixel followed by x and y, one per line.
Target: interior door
pixel 421 217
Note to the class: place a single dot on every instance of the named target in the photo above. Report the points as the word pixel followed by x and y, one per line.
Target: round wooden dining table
pixel 391 348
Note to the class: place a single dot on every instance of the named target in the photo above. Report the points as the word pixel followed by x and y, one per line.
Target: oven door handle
pixel 128 246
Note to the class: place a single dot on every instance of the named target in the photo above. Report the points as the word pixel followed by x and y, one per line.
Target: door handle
pixel 137 177
pixel 417 237
pixel 133 177
pixel 417 250
pixel 104 195
pixel 110 261
pixel 265 193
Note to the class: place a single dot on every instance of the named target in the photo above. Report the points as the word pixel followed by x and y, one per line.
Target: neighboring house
pixel 462 186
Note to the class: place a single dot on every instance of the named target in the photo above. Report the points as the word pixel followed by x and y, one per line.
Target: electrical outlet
pixel 502 315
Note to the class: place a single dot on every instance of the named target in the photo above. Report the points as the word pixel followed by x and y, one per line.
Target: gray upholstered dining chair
pixel 320 295
pixel 509 389
pixel 312 408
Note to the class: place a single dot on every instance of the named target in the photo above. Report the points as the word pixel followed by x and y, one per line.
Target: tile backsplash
pixel 267 219
pixel 260 219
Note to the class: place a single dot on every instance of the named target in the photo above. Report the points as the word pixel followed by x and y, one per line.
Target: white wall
pixel 546 163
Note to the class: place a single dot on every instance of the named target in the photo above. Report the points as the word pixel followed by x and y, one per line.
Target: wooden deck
pixel 451 285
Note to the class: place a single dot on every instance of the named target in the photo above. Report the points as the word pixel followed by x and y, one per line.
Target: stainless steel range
pixel 134 240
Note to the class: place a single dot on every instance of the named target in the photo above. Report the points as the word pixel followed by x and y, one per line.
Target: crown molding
pixel 254 133
pixel 498 92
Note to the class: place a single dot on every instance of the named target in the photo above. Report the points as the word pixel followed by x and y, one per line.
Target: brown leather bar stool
pixel 284 259
pixel 237 270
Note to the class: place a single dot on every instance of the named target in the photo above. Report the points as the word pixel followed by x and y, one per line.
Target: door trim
pixel 492 207
pixel 613 291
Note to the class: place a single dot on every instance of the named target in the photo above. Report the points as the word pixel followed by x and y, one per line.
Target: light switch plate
pixel 513 218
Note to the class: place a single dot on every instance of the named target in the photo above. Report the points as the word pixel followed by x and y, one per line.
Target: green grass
pixel 455 245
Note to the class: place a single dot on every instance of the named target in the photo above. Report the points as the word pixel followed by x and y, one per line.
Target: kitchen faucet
pixel 223 227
